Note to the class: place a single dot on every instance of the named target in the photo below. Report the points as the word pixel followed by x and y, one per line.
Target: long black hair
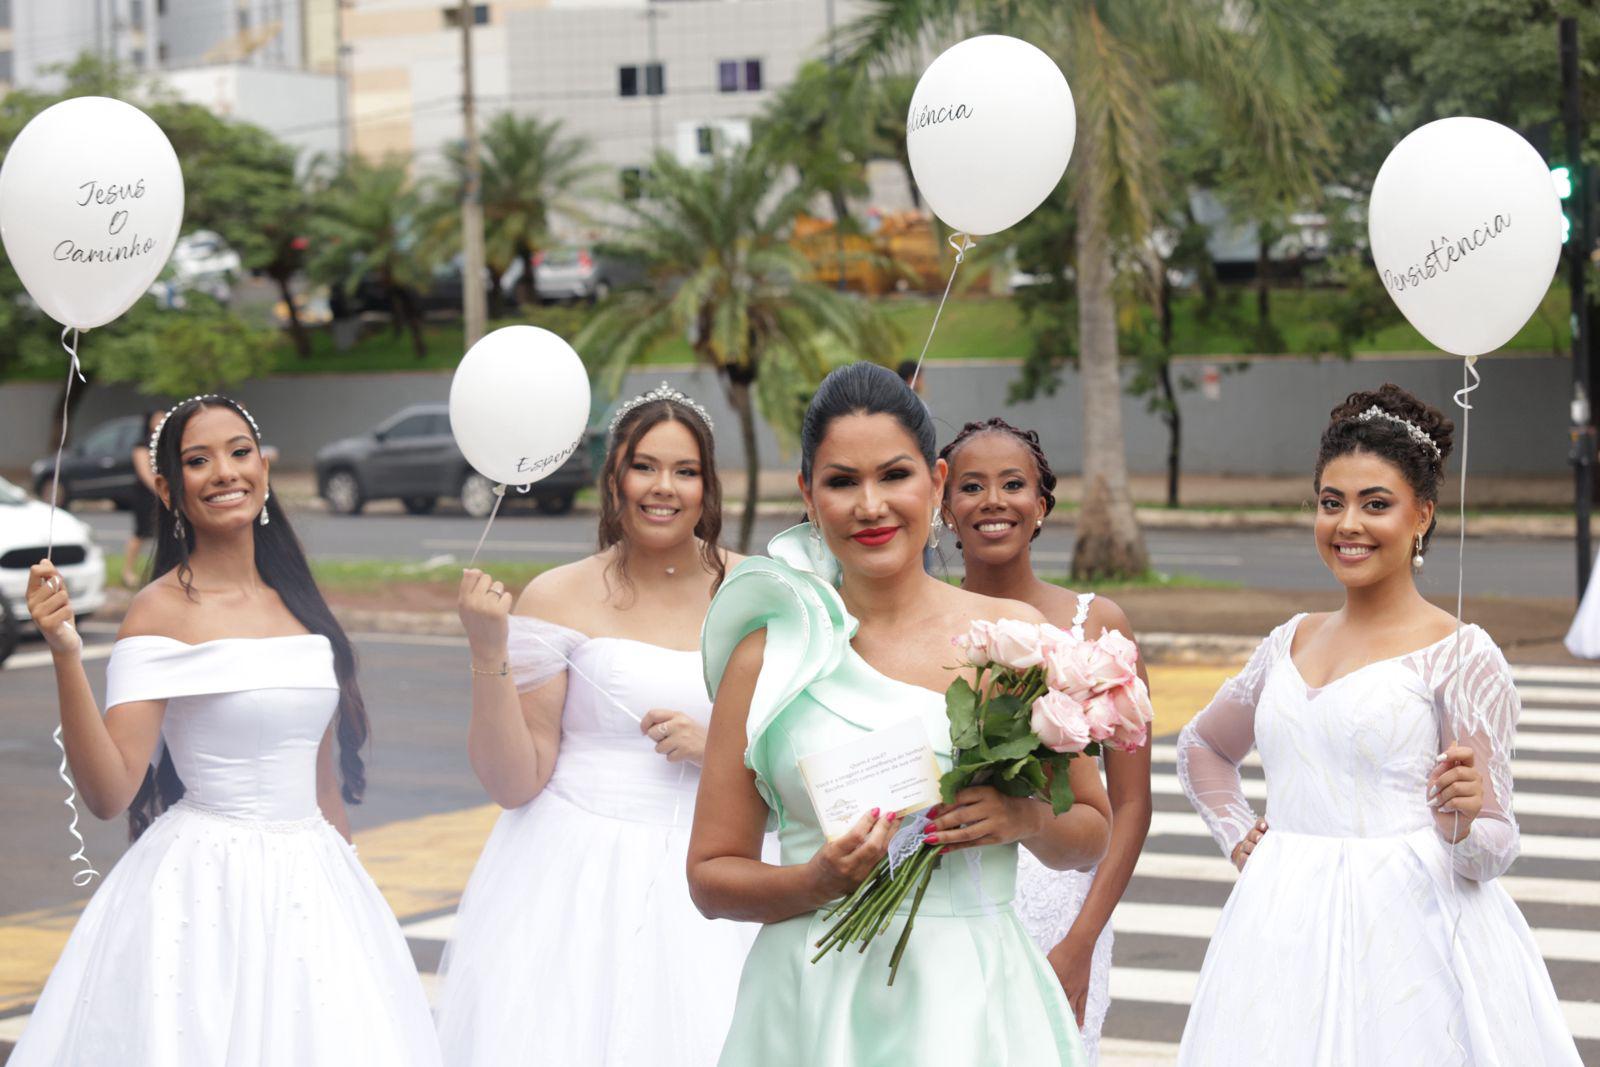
pixel 281 562
pixel 864 389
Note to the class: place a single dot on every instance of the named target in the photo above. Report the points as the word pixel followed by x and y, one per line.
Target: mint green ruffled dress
pixel 972 989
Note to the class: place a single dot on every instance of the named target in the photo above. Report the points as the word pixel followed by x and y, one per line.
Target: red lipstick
pixel 879 535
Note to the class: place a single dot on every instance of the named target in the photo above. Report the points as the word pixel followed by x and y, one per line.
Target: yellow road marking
pixel 1180 690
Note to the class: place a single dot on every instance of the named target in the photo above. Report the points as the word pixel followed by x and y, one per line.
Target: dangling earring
pixel 816 537
pixel 264 518
pixel 1416 560
pixel 177 526
pixel 934 526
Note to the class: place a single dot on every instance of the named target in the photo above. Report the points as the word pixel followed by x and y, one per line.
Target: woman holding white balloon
pixel 576 941
pixel 239 927
pixel 1368 925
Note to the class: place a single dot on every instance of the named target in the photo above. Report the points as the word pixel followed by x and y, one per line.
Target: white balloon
pixel 1465 228
pixel 91 200
pixel 519 404
pixel 989 132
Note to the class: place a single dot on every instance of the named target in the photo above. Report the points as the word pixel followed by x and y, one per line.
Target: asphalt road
pixel 1270 559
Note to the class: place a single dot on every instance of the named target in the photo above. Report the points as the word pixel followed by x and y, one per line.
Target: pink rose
pixel 977 644
pixel 1052 638
pixel 1134 716
pixel 1066 668
pixel 1017 644
pixel 1107 666
pixel 1059 722
pixel 1100 714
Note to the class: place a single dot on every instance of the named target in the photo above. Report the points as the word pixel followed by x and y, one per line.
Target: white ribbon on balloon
pixel 961 242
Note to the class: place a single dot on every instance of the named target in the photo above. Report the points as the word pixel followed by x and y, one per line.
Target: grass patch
pixel 1151 579
pixel 364 575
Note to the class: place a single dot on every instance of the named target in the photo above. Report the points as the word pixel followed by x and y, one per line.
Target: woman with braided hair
pixel 1368 925
pixel 999 491
pixel 239 928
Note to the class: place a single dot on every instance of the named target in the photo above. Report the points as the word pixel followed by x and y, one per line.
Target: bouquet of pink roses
pixel 1041 698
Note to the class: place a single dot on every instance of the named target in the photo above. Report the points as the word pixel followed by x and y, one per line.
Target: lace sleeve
pixel 537 651
pixel 1217 740
pixel 1478 707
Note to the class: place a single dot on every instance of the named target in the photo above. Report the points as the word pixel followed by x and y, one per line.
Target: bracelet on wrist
pixel 500 672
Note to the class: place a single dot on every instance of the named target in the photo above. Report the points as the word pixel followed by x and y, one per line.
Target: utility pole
pixel 833 87
pixel 341 71
pixel 651 14
pixel 1578 250
pixel 473 298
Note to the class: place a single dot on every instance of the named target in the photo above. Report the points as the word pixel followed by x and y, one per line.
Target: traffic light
pixel 1561 177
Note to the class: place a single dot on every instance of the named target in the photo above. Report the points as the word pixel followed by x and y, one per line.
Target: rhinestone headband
pixel 1416 433
pixel 155 435
pixel 660 392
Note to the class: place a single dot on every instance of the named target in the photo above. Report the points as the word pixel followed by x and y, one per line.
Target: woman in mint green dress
pixel 839 633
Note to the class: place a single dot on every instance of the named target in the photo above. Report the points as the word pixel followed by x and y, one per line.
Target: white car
pixel 24 532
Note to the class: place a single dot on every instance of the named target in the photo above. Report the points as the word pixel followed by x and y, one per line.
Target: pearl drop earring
pixel 1416 560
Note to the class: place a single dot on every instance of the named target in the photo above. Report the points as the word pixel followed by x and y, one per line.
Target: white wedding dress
pixel 576 942
pixel 1048 902
pixel 239 930
pixel 1356 934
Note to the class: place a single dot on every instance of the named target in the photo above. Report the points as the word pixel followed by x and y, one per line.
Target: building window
pixel 161 7
pixel 161 53
pixel 5 67
pixel 633 179
pixel 480 16
pixel 655 80
pixel 138 59
pixel 705 140
pixel 735 75
pixel 136 13
pixel 244 19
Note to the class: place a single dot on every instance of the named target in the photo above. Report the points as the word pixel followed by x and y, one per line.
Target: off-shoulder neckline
pixel 219 640
pixel 585 638
pixel 1294 628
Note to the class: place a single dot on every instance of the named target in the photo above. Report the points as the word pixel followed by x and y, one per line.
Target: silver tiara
pixel 1416 432
pixel 155 435
pixel 660 392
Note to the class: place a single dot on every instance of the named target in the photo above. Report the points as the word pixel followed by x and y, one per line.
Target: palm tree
pixel 714 241
pixel 1263 64
pixel 368 224
pixel 531 170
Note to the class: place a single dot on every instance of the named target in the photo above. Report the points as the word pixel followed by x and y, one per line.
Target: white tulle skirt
pixel 577 943
pixel 1334 951
pixel 224 942
pixel 1048 903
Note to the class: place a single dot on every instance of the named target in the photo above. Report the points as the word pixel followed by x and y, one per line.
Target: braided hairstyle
pixel 1390 440
pixel 1029 438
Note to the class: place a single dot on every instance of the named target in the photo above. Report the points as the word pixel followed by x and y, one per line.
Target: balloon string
pixel 499 498
pixel 596 686
pixel 960 242
pixel 1470 380
pixel 88 874
pixel 61 445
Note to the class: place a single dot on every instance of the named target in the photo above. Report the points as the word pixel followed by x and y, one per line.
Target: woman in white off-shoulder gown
pixel 576 941
pixel 1368 925
pixel 239 929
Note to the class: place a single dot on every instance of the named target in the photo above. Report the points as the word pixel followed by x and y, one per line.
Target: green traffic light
pixel 1561 177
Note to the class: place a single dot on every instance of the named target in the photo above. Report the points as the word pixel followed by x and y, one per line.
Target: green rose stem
pixel 911 917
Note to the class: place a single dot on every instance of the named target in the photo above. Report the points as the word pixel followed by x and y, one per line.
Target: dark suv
pixel 99 468
pixel 412 456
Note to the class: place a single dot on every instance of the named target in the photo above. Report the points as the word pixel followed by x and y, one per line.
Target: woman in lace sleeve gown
pixel 1367 926
pixel 995 502
pixel 576 942
pixel 238 930
pixel 841 633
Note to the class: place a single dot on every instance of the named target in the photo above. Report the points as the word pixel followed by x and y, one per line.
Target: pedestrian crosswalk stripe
pixel 1534 674
pixel 1557 694
pixel 1562 717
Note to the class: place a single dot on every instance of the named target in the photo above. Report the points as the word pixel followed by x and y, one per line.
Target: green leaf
pixel 1014 787
pixel 954 781
pixel 961 707
pixel 1038 781
pixel 1015 748
pixel 1060 784
pixel 1016 768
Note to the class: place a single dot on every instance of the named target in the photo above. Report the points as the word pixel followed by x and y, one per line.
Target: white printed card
pixel 893 769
